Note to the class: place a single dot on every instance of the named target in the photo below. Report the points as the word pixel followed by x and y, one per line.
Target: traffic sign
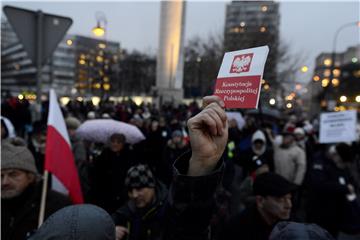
pixel 37 30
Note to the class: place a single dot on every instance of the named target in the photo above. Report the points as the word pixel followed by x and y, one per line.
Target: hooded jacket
pixel 253 158
pixel 258 135
pixel 77 222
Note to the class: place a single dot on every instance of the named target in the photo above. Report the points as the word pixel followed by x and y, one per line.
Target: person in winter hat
pixel 185 211
pixel 272 204
pixel 175 147
pixel 146 197
pixel 21 192
pixel 17 161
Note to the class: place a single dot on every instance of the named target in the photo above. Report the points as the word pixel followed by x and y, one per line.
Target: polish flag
pixel 59 159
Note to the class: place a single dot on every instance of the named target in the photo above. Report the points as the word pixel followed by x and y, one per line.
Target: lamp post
pixel 100 30
pixel 101 24
pixel 329 94
pixel 199 83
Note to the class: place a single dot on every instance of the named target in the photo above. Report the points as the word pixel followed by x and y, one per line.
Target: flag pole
pixel 43 198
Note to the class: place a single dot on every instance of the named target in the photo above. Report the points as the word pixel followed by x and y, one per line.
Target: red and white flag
pixel 59 159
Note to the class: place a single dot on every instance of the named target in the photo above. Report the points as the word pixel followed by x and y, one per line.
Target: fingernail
pixel 222 104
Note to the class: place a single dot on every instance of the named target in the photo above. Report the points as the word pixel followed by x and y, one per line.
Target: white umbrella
pixel 237 117
pixel 100 130
pixel 9 126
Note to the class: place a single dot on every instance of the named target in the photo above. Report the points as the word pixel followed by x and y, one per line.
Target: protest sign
pixel 338 127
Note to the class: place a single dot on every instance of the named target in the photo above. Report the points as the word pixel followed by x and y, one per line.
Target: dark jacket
pixel 248 225
pixel 170 154
pixel 154 145
pixel 20 215
pixel 78 222
pixel 109 177
pixel 144 224
pixel 183 213
pixel 82 165
pixel 327 190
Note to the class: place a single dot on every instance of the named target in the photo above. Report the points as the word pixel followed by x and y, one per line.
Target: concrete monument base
pixel 168 96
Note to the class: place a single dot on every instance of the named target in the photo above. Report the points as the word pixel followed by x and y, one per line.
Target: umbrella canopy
pixel 237 117
pixel 100 130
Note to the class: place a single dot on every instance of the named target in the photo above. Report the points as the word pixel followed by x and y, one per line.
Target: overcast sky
pixel 309 27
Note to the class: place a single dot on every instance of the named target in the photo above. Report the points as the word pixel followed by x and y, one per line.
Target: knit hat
pixel 139 176
pixel 299 231
pixel 17 157
pixel 72 123
pixel 272 184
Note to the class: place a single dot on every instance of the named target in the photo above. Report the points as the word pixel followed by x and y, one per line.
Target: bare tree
pixel 202 62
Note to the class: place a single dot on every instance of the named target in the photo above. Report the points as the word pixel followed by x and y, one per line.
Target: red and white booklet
pixel 239 79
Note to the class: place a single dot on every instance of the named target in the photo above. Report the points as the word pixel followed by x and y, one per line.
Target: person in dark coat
pixel 175 147
pixel 155 143
pixel 273 203
pixel 21 193
pixel 330 187
pixel 259 152
pixel 80 156
pixel 109 174
pixel 36 143
pixel 185 212
pixel 78 222
pixel 141 216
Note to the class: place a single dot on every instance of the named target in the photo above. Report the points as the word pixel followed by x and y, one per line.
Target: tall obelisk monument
pixel 170 59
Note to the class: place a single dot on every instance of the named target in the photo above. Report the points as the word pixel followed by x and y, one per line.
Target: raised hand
pixel 208 131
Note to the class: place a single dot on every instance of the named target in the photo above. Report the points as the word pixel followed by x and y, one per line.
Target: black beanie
pixel 139 176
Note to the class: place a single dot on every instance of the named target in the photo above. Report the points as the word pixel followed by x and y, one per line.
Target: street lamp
pixel 272 101
pixel 357 99
pixel 333 55
pixel 304 69
pixel 101 23
pixel 343 99
pixel 100 30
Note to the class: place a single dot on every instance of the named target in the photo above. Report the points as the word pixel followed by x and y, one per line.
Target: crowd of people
pixel 203 178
